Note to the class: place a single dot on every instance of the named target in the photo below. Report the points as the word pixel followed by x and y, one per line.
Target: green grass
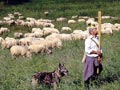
pixel 15 74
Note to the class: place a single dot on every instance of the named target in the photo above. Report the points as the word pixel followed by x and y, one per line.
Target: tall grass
pixel 15 74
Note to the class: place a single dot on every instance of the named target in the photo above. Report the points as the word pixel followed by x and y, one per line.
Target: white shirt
pixel 90 45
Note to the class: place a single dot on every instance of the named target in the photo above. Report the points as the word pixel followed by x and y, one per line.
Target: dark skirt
pixel 89 67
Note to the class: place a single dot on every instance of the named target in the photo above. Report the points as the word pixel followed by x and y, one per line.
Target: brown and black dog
pixel 49 78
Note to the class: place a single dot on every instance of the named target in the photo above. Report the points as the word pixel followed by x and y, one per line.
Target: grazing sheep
pixel 46 20
pixel 11 16
pixel 53 43
pixel 81 20
pixel 17 13
pixel 116 27
pixel 107 25
pixel 66 29
pixel 29 35
pixel 19 51
pixel 10 22
pixel 26 41
pixel 107 28
pixel 20 22
pixel 37 41
pixel 77 31
pixel 66 37
pixel 18 35
pixel 3 30
pixel 48 31
pixel 9 42
pixel 35 49
pixel 74 17
pixel 76 35
pixel 79 34
pixel 7 18
pixel 36 30
pixel 53 35
pixel 48 25
pixel 46 13
pixel 21 17
pixel 71 21
pixel 30 19
pixel 107 31
pixel 106 17
pixel 61 19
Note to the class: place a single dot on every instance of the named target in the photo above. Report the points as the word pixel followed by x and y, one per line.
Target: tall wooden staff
pixel 99 33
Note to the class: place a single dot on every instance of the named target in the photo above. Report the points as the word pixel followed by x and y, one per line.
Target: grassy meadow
pixel 15 74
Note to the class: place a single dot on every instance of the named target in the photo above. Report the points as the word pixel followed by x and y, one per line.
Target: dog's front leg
pixel 55 86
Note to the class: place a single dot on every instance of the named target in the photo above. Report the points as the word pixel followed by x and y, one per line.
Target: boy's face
pixel 94 31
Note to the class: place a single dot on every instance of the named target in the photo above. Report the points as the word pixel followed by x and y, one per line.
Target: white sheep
pixel 26 41
pixel 76 35
pixel 81 20
pixel 21 17
pixel 37 41
pixel 107 31
pixel 106 28
pixel 46 13
pixel 80 34
pixel 18 35
pixel 71 21
pixel 30 19
pixel 47 31
pixel 65 37
pixel 17 13
pixel 20 51
pixel 35 30
pixel 10 22
pixel 8 43
pixel 20 22
pixel 116 27
pixel 7 18
pixel 45 20
pixel 3 30
pixel 53 42
pixel 49 25
pixel 106 17
pixel 35 49
pixel 11 16
pixel 77 31
pixel 61 19
pixel 74 17
pixel 66 29
pixel 29 35
pixel 53 35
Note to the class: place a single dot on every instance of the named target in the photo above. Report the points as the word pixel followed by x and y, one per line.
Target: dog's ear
pixel 61 64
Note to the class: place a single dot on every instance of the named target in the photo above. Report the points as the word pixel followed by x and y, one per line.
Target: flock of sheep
pixel 44 36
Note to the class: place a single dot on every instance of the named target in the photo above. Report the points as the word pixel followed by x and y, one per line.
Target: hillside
pixel 16 73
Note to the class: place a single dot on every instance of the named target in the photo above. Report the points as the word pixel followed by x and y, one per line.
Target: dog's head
pixel 62 70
